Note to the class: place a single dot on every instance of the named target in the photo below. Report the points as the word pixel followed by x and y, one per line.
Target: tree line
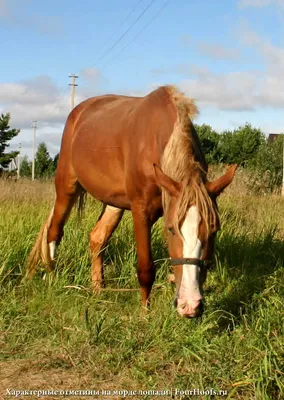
pixel 45 165
pixel 246 146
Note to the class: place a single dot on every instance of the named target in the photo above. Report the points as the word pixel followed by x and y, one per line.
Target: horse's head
pixel 191 238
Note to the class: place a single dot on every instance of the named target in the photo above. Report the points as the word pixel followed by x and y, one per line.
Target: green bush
pixel 209 140
pixel 267 167
pixel 241 145
pixel 248 147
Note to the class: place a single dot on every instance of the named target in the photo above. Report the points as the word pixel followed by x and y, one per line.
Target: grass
pixel 55 334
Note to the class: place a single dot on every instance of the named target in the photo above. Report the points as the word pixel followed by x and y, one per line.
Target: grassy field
pixel 55 334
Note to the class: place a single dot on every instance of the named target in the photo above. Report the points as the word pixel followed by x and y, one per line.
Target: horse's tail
pixel 81 202
pixel 40 251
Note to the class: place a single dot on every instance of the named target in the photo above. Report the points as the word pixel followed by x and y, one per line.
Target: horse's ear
pixel 164 181
pixel 216 187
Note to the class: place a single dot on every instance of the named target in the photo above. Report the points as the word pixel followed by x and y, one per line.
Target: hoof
pixel 97 286
pixel 50 266
pixel 144 312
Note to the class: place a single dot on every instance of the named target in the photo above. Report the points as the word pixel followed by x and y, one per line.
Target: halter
pixel 204 264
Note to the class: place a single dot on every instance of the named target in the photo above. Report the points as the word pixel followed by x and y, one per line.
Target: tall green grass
pixel 57 327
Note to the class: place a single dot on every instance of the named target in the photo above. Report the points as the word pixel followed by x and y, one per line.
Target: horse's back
pixel 115 140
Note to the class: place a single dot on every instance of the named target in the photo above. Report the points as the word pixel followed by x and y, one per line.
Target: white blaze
pixel 192 248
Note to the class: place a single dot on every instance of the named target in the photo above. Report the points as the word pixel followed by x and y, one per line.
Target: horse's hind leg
pixel 99 236
pixel 67 190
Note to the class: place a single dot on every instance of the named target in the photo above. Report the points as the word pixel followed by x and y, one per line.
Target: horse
pixel 140 154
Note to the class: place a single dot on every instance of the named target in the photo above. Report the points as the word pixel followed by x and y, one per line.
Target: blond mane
pixel 183 161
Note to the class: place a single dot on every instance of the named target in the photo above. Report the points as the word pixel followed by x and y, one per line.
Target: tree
pixel 6 134
pixel 43 162
pixel 267 165
pixel 209 140
pixel 55 161
pixel 25 167
pixel 241 145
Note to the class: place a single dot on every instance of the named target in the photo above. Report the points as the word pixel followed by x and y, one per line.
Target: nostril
pixel 201 307
pixel 191 309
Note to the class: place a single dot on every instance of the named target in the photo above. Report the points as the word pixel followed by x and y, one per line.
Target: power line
pixel 34 145
pixel 282 192
pixel 63 92
pixel 122 23
pixel 115 44
pixel 53 106
pixel 139 33
pixel 125 33
pixel 19 161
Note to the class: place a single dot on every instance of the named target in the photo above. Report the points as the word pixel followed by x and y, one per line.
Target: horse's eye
pixel 171 230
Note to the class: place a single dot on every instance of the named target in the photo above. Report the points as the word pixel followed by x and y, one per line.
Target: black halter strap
pixel 204 264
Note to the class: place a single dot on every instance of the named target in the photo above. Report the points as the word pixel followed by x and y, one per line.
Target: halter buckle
pixel 204 264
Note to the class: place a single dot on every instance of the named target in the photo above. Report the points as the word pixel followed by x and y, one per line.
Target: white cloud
pixel 191 69
pixel 236 91
pixel 17 13
pixel 245 90
pixel 159 71
pixel 42 100
pixel 260 3
pixel 247 36
pixel 186 40
pixel 36 91
pixel 91 74
pixel 217 51
pixel 233 91
pixel 212 50
pixel 38 98
pixel 3 8
pixel 273 56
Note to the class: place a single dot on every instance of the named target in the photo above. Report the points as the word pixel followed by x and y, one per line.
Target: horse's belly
pixel 101 174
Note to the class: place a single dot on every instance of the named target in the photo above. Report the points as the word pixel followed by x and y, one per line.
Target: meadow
pixel 56 334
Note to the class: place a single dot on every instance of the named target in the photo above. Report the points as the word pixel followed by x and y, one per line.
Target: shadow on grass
pixel 244 267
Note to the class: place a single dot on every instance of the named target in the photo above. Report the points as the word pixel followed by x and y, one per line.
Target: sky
pixel 227 55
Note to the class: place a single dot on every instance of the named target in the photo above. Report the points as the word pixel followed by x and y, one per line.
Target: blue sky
pixel 228 55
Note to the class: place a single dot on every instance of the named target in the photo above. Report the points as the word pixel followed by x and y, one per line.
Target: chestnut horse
pixel 140 154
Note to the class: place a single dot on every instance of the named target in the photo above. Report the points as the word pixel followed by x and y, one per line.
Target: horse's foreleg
pixel 146 267
pixel 99 236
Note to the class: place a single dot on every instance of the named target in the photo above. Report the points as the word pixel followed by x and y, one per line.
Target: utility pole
pixel 283 166
pixel 73 84
pixel 34 146
pixel 19 162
